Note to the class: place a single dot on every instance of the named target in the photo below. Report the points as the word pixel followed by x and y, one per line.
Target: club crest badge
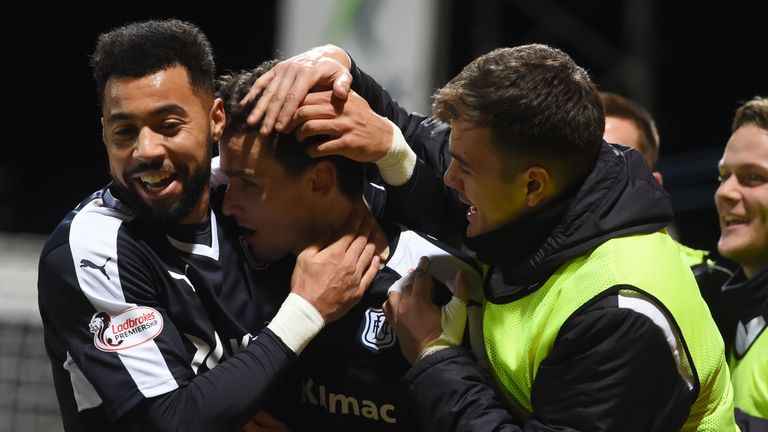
pixel 377 334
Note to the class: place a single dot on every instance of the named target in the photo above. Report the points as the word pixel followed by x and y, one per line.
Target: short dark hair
pixel 142 48
pixel 619 106
pixel 539 105
pixel 753 112
pixel 286 149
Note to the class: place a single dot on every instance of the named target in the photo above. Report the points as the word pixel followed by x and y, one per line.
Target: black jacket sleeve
pixel 748 423
pixel 223 398
pixel 424 203
pixel 610 369
pixel 449 393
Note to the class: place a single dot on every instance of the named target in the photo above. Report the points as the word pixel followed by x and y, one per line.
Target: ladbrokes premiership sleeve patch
pixel 128 329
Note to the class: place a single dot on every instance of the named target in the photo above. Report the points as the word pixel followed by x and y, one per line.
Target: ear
pixel 657 175
pixel 323 177
pixel 218 119
pixel 103 132
pixel 539 185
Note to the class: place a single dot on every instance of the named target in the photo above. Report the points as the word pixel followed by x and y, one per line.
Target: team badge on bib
pixel 126 330
pixel 377 333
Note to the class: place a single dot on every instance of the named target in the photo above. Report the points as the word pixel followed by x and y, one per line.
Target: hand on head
pixel 285 86
pixel 355 131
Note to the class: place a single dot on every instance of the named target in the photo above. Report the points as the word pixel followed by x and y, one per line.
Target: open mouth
pixel 155 184
pixel 732 220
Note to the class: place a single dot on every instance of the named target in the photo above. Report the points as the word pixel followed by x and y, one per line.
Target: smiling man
pixel 742 204
pixel 166 183
pixel 152 319
pixel 584 291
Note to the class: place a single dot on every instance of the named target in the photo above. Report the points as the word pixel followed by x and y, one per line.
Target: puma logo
pixel 90 264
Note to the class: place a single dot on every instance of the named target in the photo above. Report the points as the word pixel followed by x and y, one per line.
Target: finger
pixel 406 289
pixel 335 146
pixel 390 306
pixel 370 274
pixel 285 98
pixel 350 228
pixel 260 84
pixel 461 286
pixel 263 418
pixel 252 427
pixel 314 120
pixel 422 280
pixel 367 225
pixel 295 95
pixel 453 320
pixel 355 251
pixel 318 98
pixel 268 97
pixel 342 84
pixel 399 284
pixel 424 264
pixel 393 300
pixel 309 251
pixel 264 85
pixel 387 306
pixel 422 285
pixel 364 261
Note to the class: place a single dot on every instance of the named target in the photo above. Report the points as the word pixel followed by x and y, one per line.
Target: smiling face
pixel 273 206
pixel 475 174
pixel 742 199
pixel 158 131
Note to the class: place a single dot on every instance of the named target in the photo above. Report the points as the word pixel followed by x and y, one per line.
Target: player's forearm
pixel 224 398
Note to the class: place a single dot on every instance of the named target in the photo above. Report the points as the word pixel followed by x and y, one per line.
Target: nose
pixel 231 206
pixel 728 190
pixel 149 145
pixel 449 178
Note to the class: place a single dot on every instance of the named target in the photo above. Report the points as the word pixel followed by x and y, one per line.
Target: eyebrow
pixel 163 110
pixel 748 165
pixel 460 159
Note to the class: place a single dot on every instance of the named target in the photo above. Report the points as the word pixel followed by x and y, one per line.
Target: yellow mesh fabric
pixel 520 334
pixel 750 378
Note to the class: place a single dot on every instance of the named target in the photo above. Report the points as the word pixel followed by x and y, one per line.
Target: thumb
pixel 341 85
pixel 389 305
pixel 461 286
pixel 422 280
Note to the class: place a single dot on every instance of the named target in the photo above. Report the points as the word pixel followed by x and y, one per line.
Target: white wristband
pixel 453 319
pixel 396 167
pixel 297 322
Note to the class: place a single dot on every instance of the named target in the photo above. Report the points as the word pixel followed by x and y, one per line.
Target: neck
pixel 199 213
pixel 332 217
pixel 751 271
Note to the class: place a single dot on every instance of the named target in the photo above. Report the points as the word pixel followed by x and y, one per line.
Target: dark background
pixel 689 64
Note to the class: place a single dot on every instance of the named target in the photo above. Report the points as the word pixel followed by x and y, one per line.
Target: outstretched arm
pixel 167 394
